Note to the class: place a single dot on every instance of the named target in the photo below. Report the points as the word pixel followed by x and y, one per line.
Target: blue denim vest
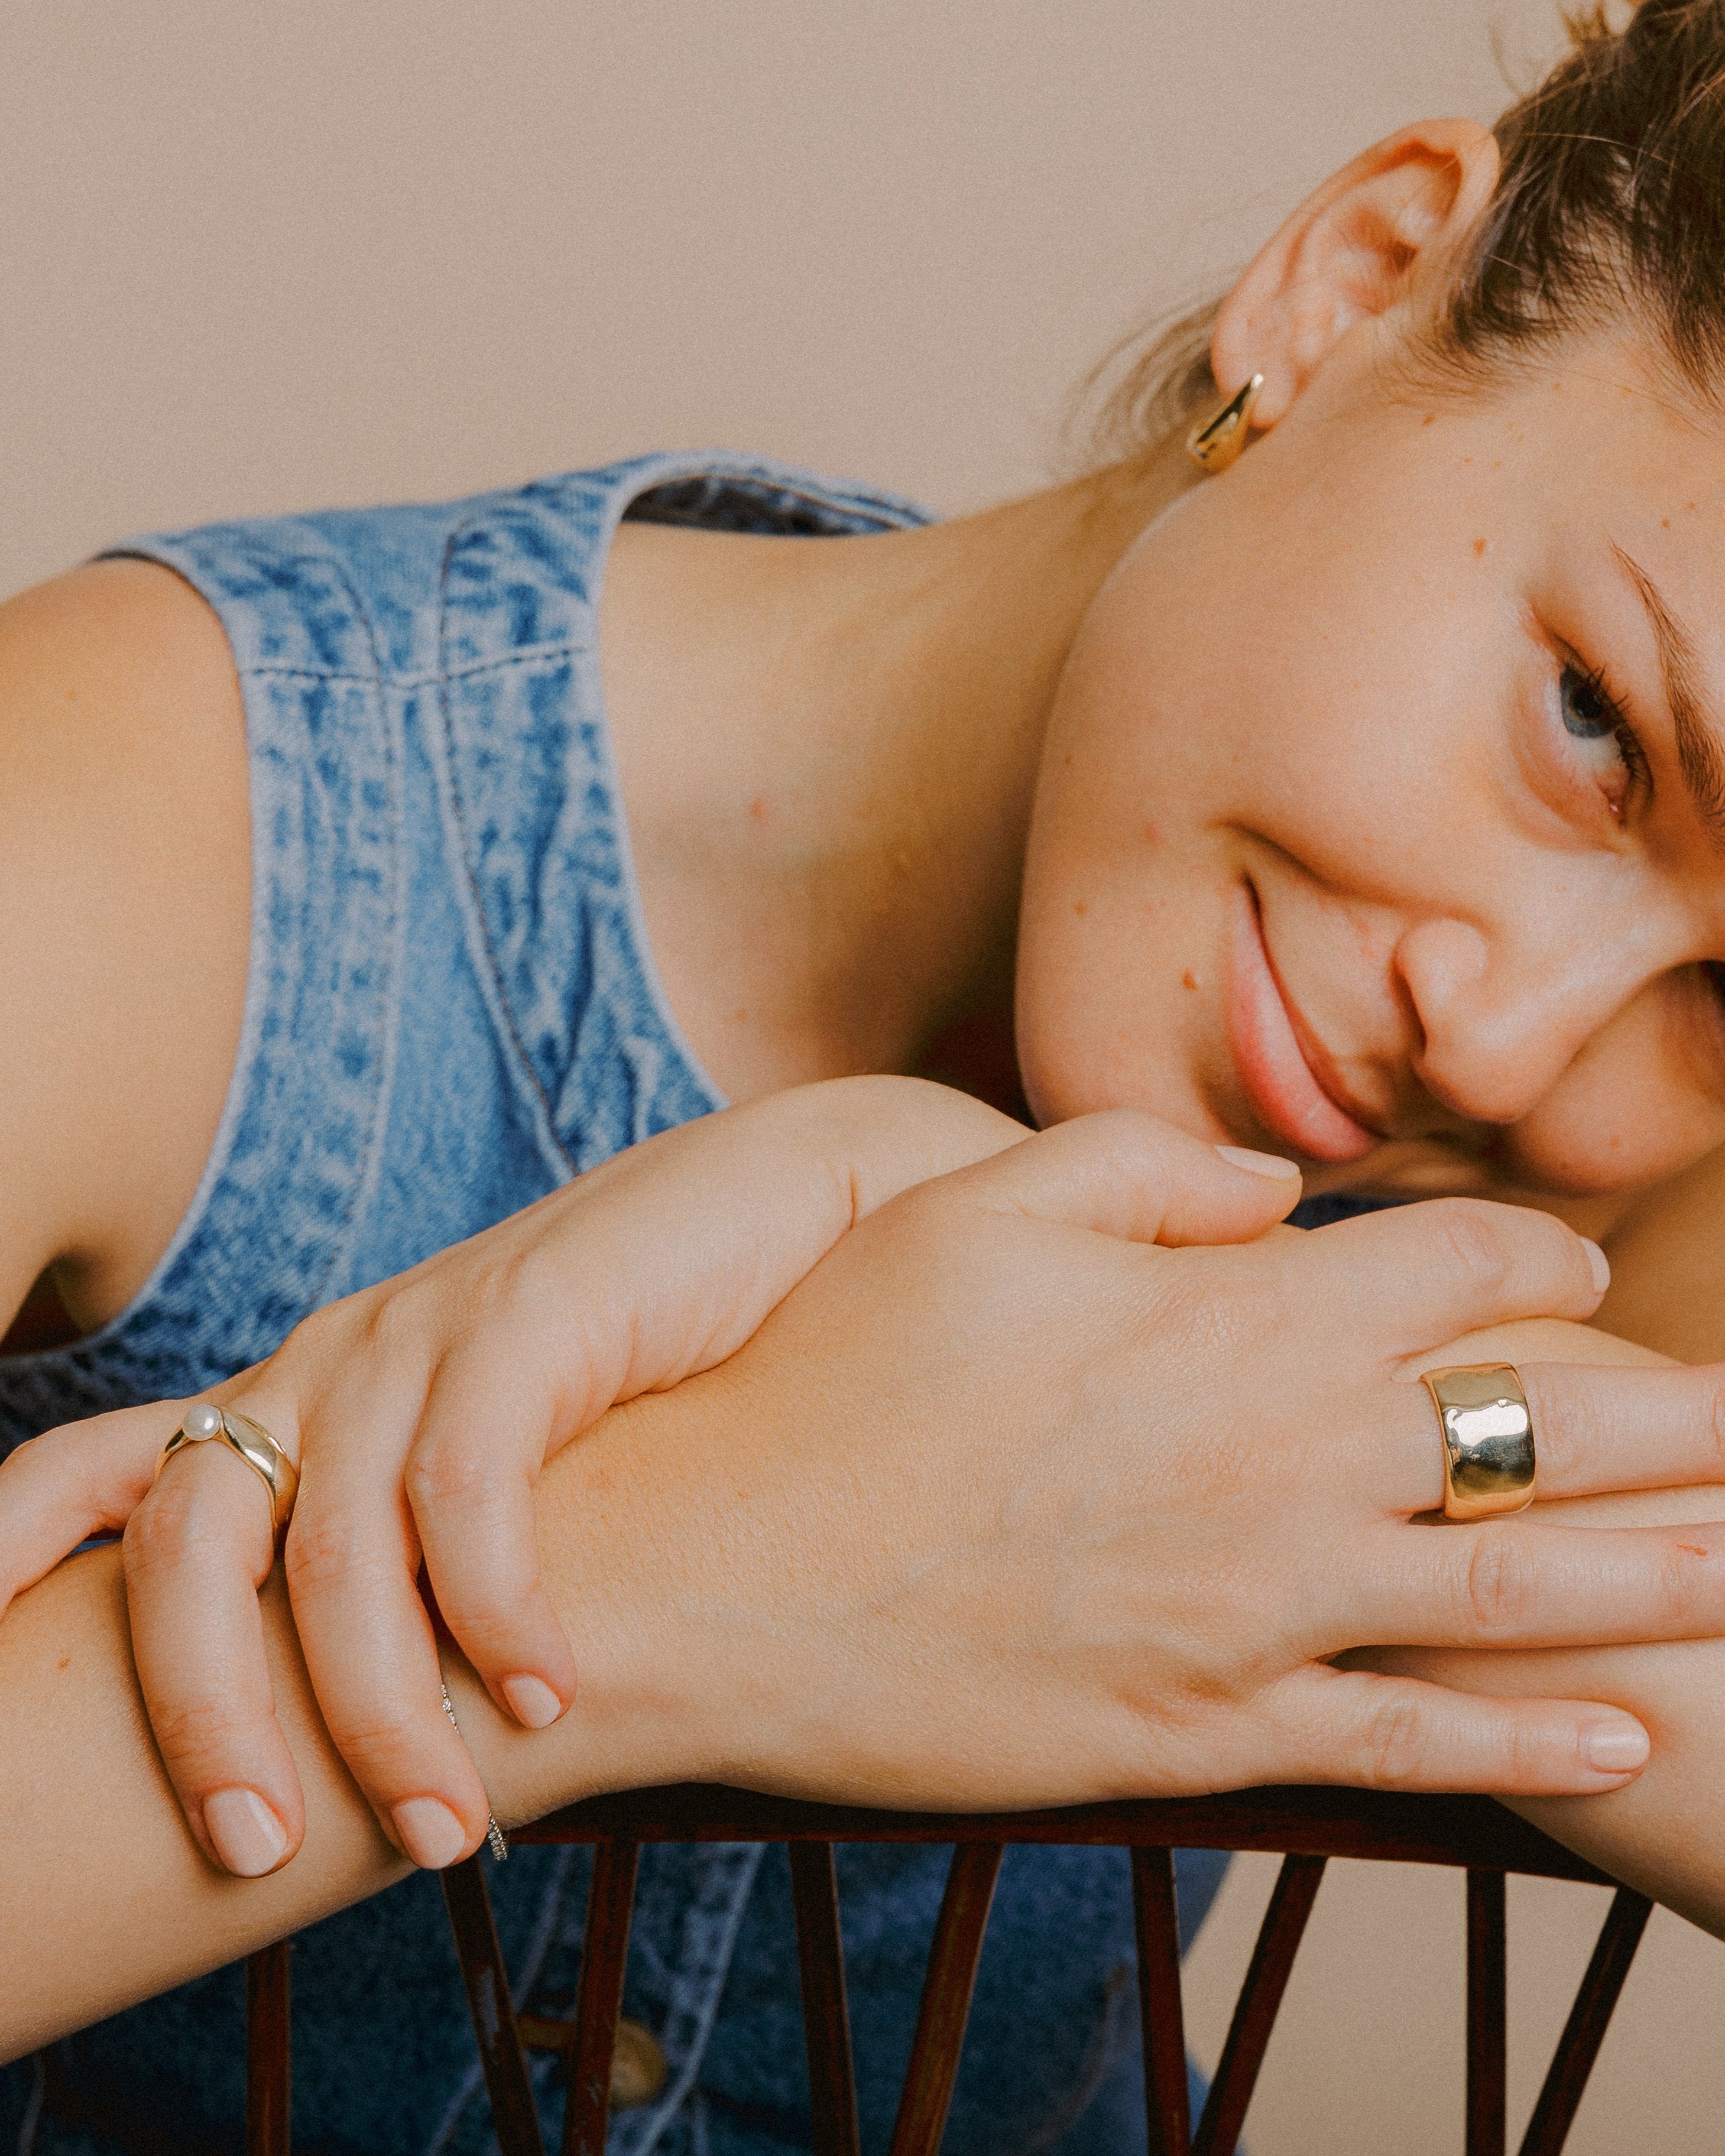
pixel 451 1009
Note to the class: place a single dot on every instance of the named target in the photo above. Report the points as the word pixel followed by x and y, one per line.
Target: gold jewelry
pixel 494 1833
pixel 254 1445
pixel 1488 1440
pixel 1214 443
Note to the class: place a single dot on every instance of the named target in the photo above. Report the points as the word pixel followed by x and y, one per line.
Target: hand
pixel 420 1413
pixel 1003 1507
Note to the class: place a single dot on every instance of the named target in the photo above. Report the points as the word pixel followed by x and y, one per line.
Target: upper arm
pixel 125 870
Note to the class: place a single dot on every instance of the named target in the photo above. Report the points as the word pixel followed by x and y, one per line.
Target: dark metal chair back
pixel 1306 1827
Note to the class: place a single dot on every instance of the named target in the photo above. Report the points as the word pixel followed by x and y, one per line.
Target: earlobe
pixel 1366 242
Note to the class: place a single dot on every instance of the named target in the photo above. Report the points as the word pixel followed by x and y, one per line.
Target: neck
pixel 829 754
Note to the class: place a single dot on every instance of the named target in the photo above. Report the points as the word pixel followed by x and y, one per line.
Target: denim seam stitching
pixel 366 1180
pixel 566 646
pixel 518 1049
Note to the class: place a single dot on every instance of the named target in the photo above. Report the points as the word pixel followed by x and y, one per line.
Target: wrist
pixel 619 1584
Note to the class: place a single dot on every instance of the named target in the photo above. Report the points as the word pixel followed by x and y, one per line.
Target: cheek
pixel 1641 1101
pixel 1116 934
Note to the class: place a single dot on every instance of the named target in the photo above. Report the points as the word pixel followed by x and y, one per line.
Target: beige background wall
pixel 255 257
pixel 258 256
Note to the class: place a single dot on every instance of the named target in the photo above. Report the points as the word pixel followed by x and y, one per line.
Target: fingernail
pixel 1259 1163
pixel 248 1837
pixel 430 1832
pixel 535 1705
pixel 1599 1262
pixel 1616 1747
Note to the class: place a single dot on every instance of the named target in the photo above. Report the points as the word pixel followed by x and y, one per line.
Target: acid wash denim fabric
pixel 451 1010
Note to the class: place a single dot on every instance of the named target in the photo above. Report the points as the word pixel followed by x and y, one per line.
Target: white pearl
pixel 202 1422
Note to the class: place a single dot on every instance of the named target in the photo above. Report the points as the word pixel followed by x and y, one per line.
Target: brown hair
pixel 1611 205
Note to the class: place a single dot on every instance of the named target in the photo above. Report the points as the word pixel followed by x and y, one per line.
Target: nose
pixel 1502 1013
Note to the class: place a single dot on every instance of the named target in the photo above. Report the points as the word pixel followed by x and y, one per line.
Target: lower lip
pixel 1278 1081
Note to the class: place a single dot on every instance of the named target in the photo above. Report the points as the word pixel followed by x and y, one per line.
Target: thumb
pixel 1131 1175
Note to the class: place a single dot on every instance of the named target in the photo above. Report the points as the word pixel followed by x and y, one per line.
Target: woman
pixel 1362 804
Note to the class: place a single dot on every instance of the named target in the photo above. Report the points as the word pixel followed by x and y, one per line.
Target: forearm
pixel 105 1898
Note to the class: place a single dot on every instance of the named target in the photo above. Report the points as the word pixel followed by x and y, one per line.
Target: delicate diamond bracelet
pixel 494 1833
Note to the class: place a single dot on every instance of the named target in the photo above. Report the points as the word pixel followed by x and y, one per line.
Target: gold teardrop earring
pixel 1216 442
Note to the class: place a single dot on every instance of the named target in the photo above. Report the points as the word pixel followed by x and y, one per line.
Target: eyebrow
pixel 1699 758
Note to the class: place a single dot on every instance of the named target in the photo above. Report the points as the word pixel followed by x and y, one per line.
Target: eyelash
pixel 1628 741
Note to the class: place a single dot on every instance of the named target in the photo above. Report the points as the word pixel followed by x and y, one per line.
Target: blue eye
pixel 1606 745
pixel 1588 712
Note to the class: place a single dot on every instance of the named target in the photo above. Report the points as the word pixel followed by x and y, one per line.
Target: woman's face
pixel 1384 795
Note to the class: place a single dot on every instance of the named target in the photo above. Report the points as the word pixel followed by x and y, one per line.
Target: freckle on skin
pixel 1081 906
pixel 1188 979
pixel 1430 419
pixel 757 807
pixel 64 1662
pixel 1150 835
pixel 1480 547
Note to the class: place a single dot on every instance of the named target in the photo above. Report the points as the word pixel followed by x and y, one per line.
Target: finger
pixel 682 1245
pixel 1134 1176
pixel 1388 1732
pixel 1519 1584
pixel 482 1439
pixel 196 1549
pixel 82 1479
pixel 1417 1276
pixel 1596 1427
pixel 352 1564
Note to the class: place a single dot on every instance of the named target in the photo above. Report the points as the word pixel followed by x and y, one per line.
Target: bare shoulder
pixel 125 874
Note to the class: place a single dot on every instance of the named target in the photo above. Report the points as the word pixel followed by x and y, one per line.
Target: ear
pixel 1370 238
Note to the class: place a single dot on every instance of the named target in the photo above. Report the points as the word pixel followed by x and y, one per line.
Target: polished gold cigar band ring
pixel 255 1447
pixel 1488 1440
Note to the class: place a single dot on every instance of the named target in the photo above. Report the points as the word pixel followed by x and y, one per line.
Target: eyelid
pixel 1626 729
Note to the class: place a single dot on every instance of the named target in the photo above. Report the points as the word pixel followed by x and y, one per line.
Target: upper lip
pixel 1321 1063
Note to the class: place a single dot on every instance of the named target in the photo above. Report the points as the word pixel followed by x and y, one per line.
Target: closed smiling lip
pixel 1284 1090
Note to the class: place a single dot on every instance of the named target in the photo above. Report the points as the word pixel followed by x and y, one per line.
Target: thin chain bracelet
pixel 494 1833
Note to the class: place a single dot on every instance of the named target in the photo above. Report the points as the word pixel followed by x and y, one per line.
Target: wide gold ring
pixel 254 1445
pixel 1488 1440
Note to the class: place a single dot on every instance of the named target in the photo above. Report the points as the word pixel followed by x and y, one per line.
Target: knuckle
pixel 447 1469
pixel 1498 1586
pixel 1472 1240
pixel 324 1551
pixel 1687 1590
pixel 173 1525
pixel 1392 1745
pixel 489 1626
pixel 198 1734
pixel 385 1747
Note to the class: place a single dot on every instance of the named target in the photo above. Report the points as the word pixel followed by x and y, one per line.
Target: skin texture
pixel 814 1545
pixel 1177 766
